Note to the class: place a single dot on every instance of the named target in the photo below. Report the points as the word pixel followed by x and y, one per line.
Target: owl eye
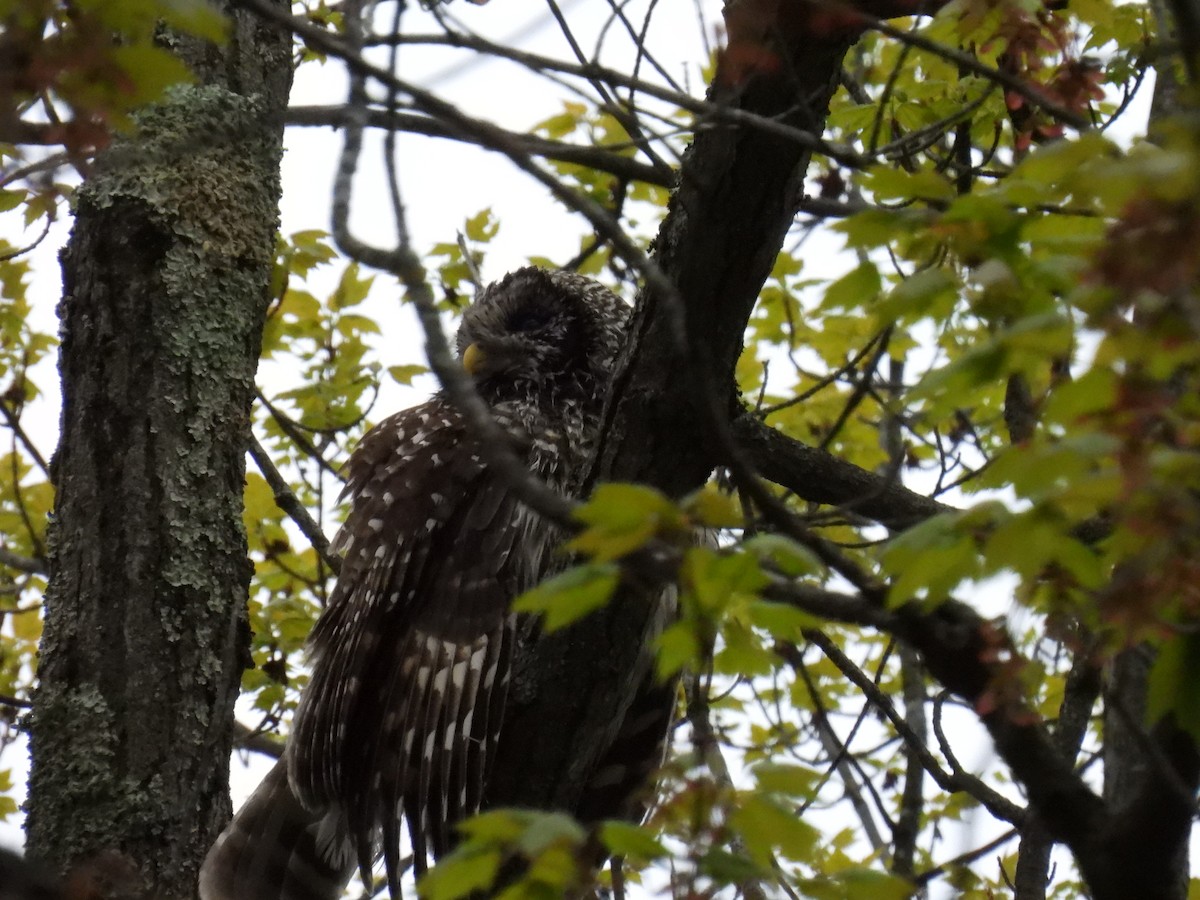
pixel 527 320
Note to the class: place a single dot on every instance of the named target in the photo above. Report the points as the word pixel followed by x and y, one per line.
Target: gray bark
pixel 165 288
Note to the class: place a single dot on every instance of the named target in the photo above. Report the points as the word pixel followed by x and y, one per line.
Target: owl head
pixel 536 331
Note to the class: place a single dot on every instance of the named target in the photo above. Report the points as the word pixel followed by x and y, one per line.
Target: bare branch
pixel 998 805
pixel 709 114
pixel 296 435
pixel 253 739
pixel 838 751
pixel 964 858
pixel 912 798
pixel 414 123
pixel 1079 697
pixel 14 423
pixel 287 501
pixel 46 165
pixel 820 477
pixel 28 564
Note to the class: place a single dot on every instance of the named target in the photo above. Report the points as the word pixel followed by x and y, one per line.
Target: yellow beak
pixel 473 358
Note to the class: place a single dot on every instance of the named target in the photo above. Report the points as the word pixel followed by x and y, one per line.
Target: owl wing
pixel 411 657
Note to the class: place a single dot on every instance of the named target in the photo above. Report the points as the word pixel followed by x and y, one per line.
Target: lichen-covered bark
pixel 165 288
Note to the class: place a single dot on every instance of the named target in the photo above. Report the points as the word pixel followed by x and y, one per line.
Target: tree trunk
pixel 165 288
pixel 739 190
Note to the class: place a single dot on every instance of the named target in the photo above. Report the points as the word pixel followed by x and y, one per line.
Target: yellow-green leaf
pixel 460 874
pixel 570 596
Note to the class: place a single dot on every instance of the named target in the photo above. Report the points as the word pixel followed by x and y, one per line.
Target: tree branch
pixel 22 563
pixel 820 477
pixel 252 739
pixel 412 123
pixel 287 501
pixel 951 782
pixel 1074 713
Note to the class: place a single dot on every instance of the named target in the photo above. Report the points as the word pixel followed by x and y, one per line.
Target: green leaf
pixel 406 374
pixel 565 122
pixel 151 71
pixel 854 290
pixel 1175 683
pixel 766 826
pixel 198 17
pixel 857 883
pixel 1027 543
pixel 621 518
pixel 482 227
pixel 891 182
pixel 878 227
pixel 932 558
pixel 1092 392
pixel 742 652
pixel 11 199
pixel 352 289
pixel 677 647
pixel 26 625
pixel 570 596
pixel 499 826
pixel 631 841
pixel 714 578
pixel 351 325
pixel 928 292
pixel 1024 346
pixel 460 874
pixel 713 508
pixel 781 621
pixel 788 557
pixel 729 868
pixel 786 778
pixel 551 874
pixel 543 829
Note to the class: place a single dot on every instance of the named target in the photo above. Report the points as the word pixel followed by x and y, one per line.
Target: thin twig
pixel 840 759
pixel 297 437
pixel 964 858
pixel 708 748
pixel 605 158
pixel 710 114
pixel 972 64
pixel 287 501
pixel 253 739
pixel 956 780
pixel 46 164
pixel 14 424
pixel 32 565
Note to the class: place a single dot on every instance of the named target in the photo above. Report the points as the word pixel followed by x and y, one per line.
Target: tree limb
pixel 413 123
pixel 22 563
pixel 287 501
pixel 820 477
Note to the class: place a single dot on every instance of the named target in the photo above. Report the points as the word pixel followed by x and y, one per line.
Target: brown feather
pixel 411 658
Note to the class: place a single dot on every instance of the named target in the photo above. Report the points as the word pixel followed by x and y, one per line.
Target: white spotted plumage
pixel 411 659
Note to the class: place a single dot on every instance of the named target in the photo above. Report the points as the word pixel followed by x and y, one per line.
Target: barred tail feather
pixel 276 849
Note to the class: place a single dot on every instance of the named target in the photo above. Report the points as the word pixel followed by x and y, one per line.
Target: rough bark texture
pixel 1150 778
pixel 165 288
pixel 738 193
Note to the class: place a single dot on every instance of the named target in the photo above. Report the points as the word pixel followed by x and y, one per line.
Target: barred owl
pixel 412 656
